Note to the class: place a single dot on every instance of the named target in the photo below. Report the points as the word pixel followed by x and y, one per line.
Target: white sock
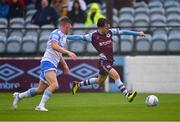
pixel 47 94
pixel 88 82
pixel 29 93
pixel 121 87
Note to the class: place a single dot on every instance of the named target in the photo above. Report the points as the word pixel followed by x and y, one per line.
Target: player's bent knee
pixel 55 86
pixel 39 91
pixel 100 82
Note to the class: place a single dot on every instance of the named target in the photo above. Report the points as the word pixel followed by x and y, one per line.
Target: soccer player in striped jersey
pixel 102 41
pixel 53 55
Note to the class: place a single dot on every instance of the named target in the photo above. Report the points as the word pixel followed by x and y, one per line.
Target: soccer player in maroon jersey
pixel 102 42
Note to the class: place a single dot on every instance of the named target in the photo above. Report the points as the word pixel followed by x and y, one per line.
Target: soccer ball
pixel 152 100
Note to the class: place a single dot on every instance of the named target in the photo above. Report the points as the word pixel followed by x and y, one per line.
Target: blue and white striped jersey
pixel 50 54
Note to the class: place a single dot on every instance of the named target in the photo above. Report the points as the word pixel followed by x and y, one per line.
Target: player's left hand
pixel 142 34
pixel 72 55
pixel 66 69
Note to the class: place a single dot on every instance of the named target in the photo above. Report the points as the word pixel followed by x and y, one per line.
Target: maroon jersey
pixel 103 44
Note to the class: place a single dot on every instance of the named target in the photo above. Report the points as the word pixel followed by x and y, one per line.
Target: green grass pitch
pixel 92 107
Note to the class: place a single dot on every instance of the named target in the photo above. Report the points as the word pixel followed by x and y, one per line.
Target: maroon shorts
pixel 105 66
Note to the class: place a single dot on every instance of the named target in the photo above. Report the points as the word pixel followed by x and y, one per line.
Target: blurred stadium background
pixel 149 65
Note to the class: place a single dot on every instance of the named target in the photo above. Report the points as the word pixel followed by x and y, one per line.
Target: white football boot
pixel 16 100
pixel 40 108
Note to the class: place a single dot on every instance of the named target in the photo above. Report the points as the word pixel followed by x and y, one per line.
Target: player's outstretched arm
pixel 135 33
pixel 127 32
pixel 86 38
pixel 75 37
pixel 55 46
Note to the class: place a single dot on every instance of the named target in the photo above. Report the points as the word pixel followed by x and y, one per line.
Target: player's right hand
pixel 142 34
pixel 72 55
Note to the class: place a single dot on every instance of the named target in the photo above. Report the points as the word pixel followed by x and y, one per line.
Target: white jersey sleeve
pixel 116 31
pixel 88 37
pixel 54 36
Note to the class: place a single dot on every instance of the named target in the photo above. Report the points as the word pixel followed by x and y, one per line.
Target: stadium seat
pixel 140 5
pixel 102 6
pixel 174 40
pixel 157 18
pixel 126 20
pixel 30 7
pixel 143 17
pixel 115 12
pixel 4 22
pixel 45 33
pixel 115 21
pixel 3 25
pixel 149 1
pixel 170 3
pixel 31 33
pixel 18 28
pixel 31 12
pixel 142 11
pixel 126 10
pixel 48 27
pixel 155 4
pixel 173 23
pixel 91 29
pixel 141 25
pixel 103 11
pixel 173 20
pixel 157 11
pixel 77 46
pixel 89 6
pixel 46 30
pixel 16 33
pixel 141 22
pixel 3 30
pixel 159 40
pixel 126 17
pixel 28 20
pixel 116 41
pixel 127 23
pixel 2 43
pixel 3 34
pixel 29 44
pixel 126 43
pixel 79 28
pixel 143 44
pixel 17 21
pixel 43 43
pixel 90 48
pixel 172 10
pixel 32 26
pixel 174 46
pixel 14 44
pixel 32 29
pixel 156 25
